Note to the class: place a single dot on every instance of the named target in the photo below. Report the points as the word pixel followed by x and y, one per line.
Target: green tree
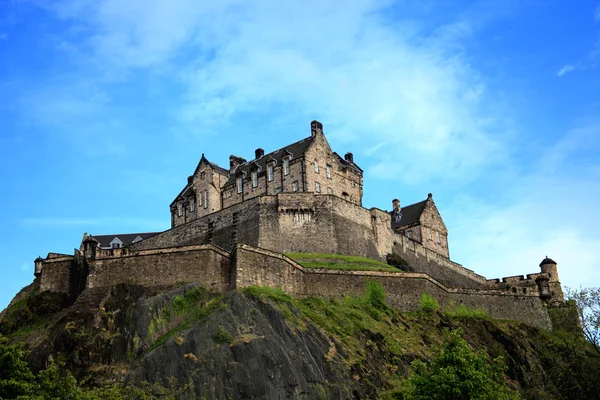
pixel 16 379
pixel 458 373
pixel 588 308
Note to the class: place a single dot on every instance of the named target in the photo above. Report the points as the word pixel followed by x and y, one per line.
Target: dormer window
pixel 240 184
pixel 254 179
pixel 116 243
pixel 286 166
pixel 316 166
pixel 270 172
pixel 180 209
pixel 192 205
pixel 328 171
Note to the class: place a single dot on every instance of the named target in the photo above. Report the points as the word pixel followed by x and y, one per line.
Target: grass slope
pixel 337 261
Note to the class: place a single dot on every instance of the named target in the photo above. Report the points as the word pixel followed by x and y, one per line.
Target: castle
pixel 231 228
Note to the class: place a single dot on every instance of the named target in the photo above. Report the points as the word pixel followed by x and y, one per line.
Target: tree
pixel 459 373
pixel 587 301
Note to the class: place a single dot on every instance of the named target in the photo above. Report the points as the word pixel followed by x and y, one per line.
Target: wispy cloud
pixel 565 70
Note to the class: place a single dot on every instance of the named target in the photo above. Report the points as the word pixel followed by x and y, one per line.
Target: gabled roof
pixel 351 164
pixel 214 166
pixel 409 214
pixel 295 150
pixel 125 238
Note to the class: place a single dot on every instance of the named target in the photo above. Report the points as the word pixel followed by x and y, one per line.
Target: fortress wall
pixel 225 228
pixel 205 264
pixel 261 267
pixel 441 268
pixel 403 291
pixel 56 274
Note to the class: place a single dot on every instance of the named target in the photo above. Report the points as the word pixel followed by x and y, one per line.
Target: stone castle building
pixel 232 228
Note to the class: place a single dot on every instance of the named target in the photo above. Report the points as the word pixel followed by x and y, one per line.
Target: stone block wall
pixel 56 274
pixel 206 264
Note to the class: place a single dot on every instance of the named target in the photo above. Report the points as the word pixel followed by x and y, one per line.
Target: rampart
pixel 220 271
pixel 315 223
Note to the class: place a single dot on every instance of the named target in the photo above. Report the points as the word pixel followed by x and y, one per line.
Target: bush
pixel 375 295
pixel 457 372
pixel 221 336
pixel 463 312
pixel 428 303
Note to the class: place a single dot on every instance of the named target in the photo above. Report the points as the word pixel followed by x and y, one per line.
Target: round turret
pixel 549 267
pixel 38 263
pixel 89 247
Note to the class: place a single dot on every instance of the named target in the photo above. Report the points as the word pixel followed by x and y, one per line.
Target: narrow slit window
pixel 316 166
pixel 254 179
pixel 317 187
pixel 271 172
pixel 240 184
pixel 295 186
pixel 328 171
pixel 286 166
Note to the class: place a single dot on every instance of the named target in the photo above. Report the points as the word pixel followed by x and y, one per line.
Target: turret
pixel 38 264
pixel 90 244
pixel 550 268
pixel 543 286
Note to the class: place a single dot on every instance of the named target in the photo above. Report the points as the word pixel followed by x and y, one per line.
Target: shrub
pixel 457 372
pixel 375 295
pixel 463 312
pixel 222 336
pixel 428 303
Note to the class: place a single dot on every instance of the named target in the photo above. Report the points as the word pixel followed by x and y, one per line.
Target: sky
pixel 106 106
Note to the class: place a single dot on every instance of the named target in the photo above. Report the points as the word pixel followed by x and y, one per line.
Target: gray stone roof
pixel 217 168
pixel 126 238
pixel 409 214
pixel 295 150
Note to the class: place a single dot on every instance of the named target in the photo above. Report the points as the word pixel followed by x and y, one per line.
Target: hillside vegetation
pixel 130 341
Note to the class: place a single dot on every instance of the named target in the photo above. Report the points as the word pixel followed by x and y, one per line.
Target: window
pixel 192 205
pixel 328 171
pixel 295 186
pixel 437 236
pixel 115 245
pixel 254 179
pixel 429 233
pixel 286 166
pixel 409 234
pixel 329 190
pixel 202 175
pixel 316 166
pixel 240 184
pixel 317 187
pixel 270 172
pixel 205 198
pixel 180 209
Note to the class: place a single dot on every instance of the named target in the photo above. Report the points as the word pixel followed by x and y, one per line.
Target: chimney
pixel 234 161
pixel 396 205
pixel 190 178
pixel 349 157
pixel 316 128
pixel 258 153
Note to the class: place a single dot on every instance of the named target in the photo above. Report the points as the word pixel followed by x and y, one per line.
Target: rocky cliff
pixel 261 343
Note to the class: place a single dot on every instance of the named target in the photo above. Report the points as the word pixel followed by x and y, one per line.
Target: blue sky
pixel 493 106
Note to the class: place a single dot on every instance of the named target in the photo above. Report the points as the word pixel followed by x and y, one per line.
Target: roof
pixel 217 168
pixel 126 238
pixel 295 150
pixel 409 214
pixel 547 261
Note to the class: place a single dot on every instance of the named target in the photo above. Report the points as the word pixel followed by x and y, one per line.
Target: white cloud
pixel 549 212
pixel 565 70
pixel 365 76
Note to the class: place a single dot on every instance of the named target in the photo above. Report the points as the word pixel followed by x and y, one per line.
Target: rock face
pixel 246 349
pixel 261 343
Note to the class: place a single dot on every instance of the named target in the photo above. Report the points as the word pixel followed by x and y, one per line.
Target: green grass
pixel 337 261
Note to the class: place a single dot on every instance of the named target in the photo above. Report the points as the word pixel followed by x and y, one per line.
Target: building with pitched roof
pixel 306 166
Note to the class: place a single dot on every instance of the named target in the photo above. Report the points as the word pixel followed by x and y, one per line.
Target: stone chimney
pixel 429 196
pixel 258 153
pixel 234 161
pixel 316 128
pixel 349 157
pixel 190 179
pixel 396 205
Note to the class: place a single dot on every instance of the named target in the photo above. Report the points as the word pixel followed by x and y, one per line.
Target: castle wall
pixel 238 223
pixel 421 259
pixel 253 266
pixel 403 290
pixel 205 264
pixel 56 274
